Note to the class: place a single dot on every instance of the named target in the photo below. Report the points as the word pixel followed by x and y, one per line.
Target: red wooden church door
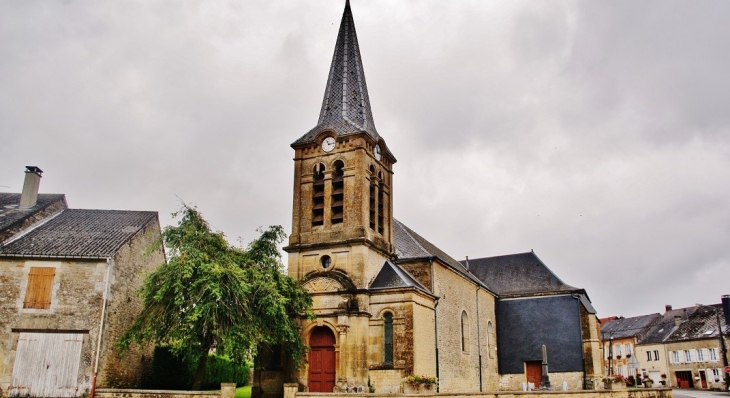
pixel 321 360
pixel 533 369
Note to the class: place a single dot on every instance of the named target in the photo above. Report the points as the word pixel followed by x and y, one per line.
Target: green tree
pixel 211 295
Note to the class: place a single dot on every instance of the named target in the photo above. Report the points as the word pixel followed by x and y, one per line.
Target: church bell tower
pixel 342 224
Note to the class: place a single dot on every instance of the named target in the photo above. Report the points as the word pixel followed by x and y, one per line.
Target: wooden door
pixel 47 365
pixel 703 379
pixel 684 379
pixel 533 369
pixel 321 376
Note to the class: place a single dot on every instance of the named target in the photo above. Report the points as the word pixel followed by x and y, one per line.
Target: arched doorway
pixel 321 375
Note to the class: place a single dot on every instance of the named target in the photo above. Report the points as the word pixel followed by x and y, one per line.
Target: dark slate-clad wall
pixel 526 324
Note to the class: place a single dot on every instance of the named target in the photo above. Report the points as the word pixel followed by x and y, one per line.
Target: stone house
pixel 388 303
pixel 689 351
pixel 619 339
pixel 68 279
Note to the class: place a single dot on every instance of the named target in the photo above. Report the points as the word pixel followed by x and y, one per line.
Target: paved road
pixel 691 393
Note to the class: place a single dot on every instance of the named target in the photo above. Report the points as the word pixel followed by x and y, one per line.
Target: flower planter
pixel 618 385
pixel 648 384
pixel 409 388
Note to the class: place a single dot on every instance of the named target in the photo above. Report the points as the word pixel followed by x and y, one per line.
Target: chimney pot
pixel 668 307
pixel 29 197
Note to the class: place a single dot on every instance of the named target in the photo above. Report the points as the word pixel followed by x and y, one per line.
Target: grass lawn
pixel 243 392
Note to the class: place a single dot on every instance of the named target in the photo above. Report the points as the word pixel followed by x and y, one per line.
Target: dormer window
pixel 318 196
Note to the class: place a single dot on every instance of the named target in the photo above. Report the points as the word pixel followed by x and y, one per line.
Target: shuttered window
pixel 40 282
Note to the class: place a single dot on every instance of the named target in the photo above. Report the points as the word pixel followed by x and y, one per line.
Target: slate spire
pixel 346 106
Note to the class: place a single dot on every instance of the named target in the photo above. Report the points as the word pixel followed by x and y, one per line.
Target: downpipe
pixel 101 326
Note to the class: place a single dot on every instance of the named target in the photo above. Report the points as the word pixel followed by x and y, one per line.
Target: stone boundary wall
pixel 228 390
pixel 290 391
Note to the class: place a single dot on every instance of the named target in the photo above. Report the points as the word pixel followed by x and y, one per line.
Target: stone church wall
pixel 459 369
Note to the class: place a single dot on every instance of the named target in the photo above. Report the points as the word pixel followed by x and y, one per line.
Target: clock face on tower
pixel 378 154
pixel 328 144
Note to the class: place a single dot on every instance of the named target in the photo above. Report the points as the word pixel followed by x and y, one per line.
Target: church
pixel 390 304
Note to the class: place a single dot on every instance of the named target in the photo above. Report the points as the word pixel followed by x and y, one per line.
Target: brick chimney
pixel 29 197
pixel 667 307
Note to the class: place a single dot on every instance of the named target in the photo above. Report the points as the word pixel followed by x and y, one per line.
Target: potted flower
pixel 614 382
pixel 416 383
pixel 648 382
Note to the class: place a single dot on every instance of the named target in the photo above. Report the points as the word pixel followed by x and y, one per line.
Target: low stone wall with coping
pixel 290 391
pixel 228 390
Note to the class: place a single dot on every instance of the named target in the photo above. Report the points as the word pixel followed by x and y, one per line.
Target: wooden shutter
pixel 40 282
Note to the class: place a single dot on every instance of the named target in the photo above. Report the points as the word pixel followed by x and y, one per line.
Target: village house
pixel 695 355
pixel 620 337
pixel 68 279
pixel 389 304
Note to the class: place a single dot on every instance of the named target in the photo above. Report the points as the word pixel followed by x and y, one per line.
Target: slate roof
pixel 412 246
pixel 516 274
pixel 623 328
pixel 11 214
pixel 79 233
pixel 662 330
pixel 700 324
pixel 391 276
pixel 346 104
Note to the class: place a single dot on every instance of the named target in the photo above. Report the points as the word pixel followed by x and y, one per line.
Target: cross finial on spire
pixel 346 105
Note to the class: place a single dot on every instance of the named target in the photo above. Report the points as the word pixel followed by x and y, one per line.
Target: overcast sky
pixel 595 133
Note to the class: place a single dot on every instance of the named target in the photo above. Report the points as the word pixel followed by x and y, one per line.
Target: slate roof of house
pixel 663 329
pixel 346 105
pixel 79 233
pixel 622 328
pixel 11 214
pixel 391 276
pixel 516 274
pixel 411 246
pixel 700 324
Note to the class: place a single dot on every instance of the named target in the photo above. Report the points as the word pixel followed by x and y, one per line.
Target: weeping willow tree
pixel 212 295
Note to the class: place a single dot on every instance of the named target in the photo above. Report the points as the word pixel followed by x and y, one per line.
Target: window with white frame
pixel 648 356
pixel 656 355
pixel 700 355
pixel 716 375
pixel 617 350
pixel 687 356
pixel 628 349
pixel 713 354
pixel 675 356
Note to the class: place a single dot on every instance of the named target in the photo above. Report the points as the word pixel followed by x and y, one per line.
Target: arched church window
pixel 373 185
pixel 464 332
pixel 338 193
pixel 388 338
pixel 318 196
pixel 490 339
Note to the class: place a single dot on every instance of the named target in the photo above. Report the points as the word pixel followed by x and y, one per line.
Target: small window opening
pixel 318 196
pixel 338 193
pixel 326 261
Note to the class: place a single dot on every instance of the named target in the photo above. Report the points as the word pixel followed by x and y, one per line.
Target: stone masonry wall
pixel 131 266
pixel 459 370
pixel 75 306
